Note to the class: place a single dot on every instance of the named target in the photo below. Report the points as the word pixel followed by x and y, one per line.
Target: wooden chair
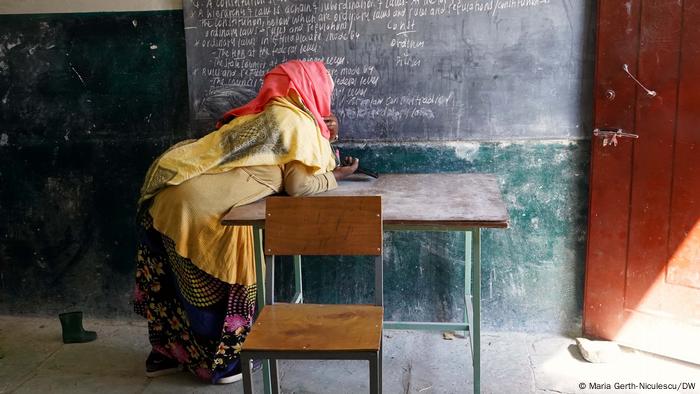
pixel 335 226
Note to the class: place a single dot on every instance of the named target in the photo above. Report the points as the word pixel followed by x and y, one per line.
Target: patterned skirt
pixel 192 316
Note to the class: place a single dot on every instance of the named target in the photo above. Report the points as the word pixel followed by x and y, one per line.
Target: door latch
pixel 610 135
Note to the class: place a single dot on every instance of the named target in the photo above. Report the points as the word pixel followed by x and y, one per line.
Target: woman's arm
pixel 300 181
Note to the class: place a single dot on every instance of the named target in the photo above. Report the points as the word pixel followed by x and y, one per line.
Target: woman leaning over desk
pixel 195 278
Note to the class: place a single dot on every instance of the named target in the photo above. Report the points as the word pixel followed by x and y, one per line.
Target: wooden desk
pixel 435 200
pixel 415 202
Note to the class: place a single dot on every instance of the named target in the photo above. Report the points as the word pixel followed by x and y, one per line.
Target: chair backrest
pixel 324 225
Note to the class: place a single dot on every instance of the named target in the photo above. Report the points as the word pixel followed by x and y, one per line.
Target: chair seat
pixel 316 327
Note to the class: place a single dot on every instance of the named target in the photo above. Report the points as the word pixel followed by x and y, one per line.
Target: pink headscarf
pixel 310 79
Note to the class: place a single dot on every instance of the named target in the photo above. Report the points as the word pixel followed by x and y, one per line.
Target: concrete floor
pixel 34 360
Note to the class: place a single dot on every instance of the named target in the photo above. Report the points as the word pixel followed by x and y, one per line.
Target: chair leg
pixel 375 374
pixel 379 364
pixel 247 375
pixel 274 377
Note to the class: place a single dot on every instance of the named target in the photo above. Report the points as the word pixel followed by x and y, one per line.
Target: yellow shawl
pixel 282 133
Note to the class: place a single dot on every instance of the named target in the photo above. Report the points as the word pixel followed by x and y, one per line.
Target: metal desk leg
pixel 260 295
pixel 468 284
pixel 298 288
pixel 475 323
pixel 259 269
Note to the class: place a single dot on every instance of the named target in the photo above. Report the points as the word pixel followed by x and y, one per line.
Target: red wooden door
pixel 643 260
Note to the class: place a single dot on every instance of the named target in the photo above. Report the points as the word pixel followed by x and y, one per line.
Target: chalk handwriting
pixel 363 43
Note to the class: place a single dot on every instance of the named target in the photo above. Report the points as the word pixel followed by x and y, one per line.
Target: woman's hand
pixel 349 166
pixel 332 124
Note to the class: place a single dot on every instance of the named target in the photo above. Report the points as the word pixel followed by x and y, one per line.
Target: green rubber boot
pixel 73 331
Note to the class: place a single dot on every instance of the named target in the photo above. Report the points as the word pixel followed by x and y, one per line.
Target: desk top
pixel 413 200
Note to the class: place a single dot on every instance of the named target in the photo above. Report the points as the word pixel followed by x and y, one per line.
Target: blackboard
pixel 405 70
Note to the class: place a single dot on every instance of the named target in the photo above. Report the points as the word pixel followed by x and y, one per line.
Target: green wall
pixel 88 100
pixel 532 273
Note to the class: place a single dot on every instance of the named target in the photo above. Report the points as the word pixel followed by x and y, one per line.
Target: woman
pixel 195 279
